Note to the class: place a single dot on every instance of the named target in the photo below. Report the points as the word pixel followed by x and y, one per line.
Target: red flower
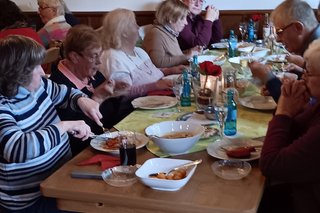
pixel 209 68
pixel 256 17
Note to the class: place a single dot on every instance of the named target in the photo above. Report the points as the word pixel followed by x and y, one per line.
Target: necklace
pixel 148 71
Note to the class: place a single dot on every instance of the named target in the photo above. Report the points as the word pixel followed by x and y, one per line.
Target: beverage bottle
pixel 195 67
pixel 271 40
pixel 185 98
pixel 232 44
pixel 230 126
pixel 266 28
pixel 251 31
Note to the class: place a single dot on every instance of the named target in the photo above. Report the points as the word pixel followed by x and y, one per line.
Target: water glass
pixel 177 90
pixel 127 150
pixel 243 29
pixel 221 111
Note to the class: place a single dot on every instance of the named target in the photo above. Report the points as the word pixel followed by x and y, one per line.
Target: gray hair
pixel 55 4
pixel 19 56
pixel 294 10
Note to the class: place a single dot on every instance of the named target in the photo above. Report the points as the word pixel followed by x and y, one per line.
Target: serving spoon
pixel 192 163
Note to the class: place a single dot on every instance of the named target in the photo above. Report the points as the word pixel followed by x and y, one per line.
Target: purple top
pixel 199 32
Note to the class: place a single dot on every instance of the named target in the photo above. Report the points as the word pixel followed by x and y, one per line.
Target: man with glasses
pixel 296 27
pixel 200 31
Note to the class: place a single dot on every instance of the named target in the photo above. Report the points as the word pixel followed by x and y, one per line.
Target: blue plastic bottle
pixel 185 98
pixel 250 31
pixel 232 45
pixel 230 126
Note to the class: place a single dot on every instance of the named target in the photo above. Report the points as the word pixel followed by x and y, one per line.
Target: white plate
pixel 215 150
pixel 281 58
pixel 231 169
pixel 258 102
pixel 202 58
pixel 139 139
pixel 155 165
pixel 154 102
pixel 220 45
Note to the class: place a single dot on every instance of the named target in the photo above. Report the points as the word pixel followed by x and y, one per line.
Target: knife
pixel 86 175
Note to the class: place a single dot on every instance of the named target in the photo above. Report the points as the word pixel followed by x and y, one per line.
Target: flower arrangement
pixel 209 68
pixel 256 17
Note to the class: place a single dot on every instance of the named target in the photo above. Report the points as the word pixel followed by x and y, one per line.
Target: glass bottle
pixel 266 28
pixel 195 67
pixel 185 98
pixel 271 40
pixel 232 44
pixel 230 126
pixel 251 31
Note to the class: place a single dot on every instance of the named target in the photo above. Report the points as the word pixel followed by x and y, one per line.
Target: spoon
pixel 177 168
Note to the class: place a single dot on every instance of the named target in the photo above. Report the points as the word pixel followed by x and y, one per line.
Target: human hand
pixel 103 91
pixel 163 84
pixel 295 59
pixel 264 91
pixel 293 98
pixel 212 13
pixel 176 69
pixel 260 71
pixel 293 68
pixel 193 51
pixel 91 109
pixel 78 129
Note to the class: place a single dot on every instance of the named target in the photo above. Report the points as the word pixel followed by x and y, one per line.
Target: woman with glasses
pixel 290 153
pixel 200 31
pixel 55 26
pixel 161 42
pixel 33 139
pixel 80 69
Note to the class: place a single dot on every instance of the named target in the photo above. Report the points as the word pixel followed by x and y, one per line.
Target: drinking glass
pixel 221 114
pixel 177 90
pixel 243 29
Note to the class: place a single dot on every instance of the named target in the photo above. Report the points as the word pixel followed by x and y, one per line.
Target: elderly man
pixel 296 27
pixel 200 31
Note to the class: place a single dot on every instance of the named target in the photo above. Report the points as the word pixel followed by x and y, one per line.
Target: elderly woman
pixel 125 62
pixel 290 153
pixel 161 41
pixel 52 15
pixel 79 69
pixel 33 140
pixel 14 22
pixel 200 30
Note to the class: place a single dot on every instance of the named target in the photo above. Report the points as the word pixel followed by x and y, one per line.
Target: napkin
pixel 106 161
pixel 161 92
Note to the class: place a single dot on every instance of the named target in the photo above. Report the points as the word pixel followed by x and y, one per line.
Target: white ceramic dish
pixel 218 148
pixel 155 165
pixel 245 46
pixel 174 145
pixel 120 176
pixel 235 62
pixel 281 58
pixel 231 169
pixel 139 139
pixel 154 102
pixel 202 58
pixel 258 102
pixel 220 45
pixel 260 52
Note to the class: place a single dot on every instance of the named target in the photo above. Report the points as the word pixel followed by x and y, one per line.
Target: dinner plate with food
pixel 279 58
pixel 111 144
pixel 154 102
pixel 258 102
pixel 241 149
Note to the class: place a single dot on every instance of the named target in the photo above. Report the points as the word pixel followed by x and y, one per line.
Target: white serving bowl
pixel 174 145
pixel 155 165
pixel 260 52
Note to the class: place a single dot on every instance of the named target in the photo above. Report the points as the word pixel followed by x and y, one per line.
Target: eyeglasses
pixel 281 30
pixel 92 58
pixel 43 8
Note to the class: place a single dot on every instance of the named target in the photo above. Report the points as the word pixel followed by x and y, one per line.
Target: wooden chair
pixel 52 56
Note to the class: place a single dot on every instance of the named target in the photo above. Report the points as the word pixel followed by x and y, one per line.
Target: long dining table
pixel 205 192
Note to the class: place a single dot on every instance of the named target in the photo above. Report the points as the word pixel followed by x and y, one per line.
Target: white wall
pixel 150 5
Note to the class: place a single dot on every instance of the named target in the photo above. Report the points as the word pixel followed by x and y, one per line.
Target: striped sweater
pixel 31 146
